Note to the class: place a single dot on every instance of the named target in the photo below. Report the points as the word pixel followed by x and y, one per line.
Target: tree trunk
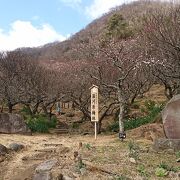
pixel 2 108
pixel 50 111
pixel 29 109
pixel 168 92
pixel 121 111
pixel 121 116
pixel 45 110
pixel 35 108
pixel 178 90
pixel 10 107
pixel 73 106
pixel 133 98
pixel 99 125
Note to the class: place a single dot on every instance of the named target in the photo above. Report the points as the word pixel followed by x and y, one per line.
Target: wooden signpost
pixel 94 107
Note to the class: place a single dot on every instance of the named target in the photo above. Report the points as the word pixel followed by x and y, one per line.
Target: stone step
pixel 58 131
pixel 61 127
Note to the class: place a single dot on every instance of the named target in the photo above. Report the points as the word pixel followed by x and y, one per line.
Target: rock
pixel 63 177
pixel 25 158
pixel 46 166
pixel 3 149
pixel 2 158
pixel 60 177
pixel 148 131
pixel 83 171
pixel 43 176
pixel 171 118
pixel 67 178
pixel 16 147
pixel 178 160
pixel 132 160
pixel 174 175
pixel 13 123
pixel 166 144
pixel 80 145
pixel 75 155
pixel 86 133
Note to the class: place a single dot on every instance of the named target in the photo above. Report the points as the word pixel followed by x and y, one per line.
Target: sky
pixel 32 23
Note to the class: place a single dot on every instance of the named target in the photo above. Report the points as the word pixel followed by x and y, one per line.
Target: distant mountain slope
pixel 63 51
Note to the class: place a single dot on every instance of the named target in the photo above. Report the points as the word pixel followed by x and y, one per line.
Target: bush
pixel 178 154
pixel 167 167
pixel 25 111
pixel 161 172
pixel 40 123
pixel 88 146
pixel 141 169
pixel 152 110
pixel 75 125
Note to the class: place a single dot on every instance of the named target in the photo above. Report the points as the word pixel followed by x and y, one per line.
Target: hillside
pixel 67 50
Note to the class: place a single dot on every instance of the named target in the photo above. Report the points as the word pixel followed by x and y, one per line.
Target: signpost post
pixel 94 107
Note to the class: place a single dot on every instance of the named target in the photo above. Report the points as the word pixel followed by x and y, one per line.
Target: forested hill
pixel 125 53
pixel 68 50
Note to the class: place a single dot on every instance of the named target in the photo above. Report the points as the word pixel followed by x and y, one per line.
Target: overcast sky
pixel 31 23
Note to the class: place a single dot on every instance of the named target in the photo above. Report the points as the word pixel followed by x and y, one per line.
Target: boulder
pixel 171 118
pixel 43 176
pixel 16 147
pixel 3 149
pixel 164 144
pixel 13 123
pixel 46 166
pixel 148 131
pixel 43 170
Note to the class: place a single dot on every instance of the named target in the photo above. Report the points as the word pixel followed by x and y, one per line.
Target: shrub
pixel 141 169
pixel 40 123
pixel 178 154
pixel 75 125
pixel 152 110
pixel 88 146
pixel 25 111
pixel 167 167
pixel 161 172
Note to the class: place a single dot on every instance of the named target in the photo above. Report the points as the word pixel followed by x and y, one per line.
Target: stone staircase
pixel 61 128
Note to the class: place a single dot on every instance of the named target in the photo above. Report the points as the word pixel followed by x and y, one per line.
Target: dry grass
pixel 105 155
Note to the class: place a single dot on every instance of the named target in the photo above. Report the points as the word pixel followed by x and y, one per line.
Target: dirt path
pixel 39 148
pixel 106 158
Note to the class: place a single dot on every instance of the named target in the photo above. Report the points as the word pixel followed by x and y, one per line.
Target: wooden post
pixel 95 130
pixel 94 108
